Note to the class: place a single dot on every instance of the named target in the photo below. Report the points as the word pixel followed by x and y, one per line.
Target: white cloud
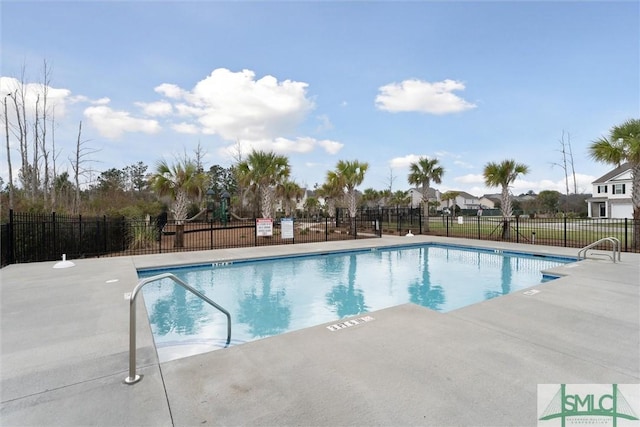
pixel 170 91
pixel 154 109
pixel 101 101
pixel 331 147
pixel 237 105
pixel 187 128
pixel 301 145
pixel 56 98
pixel 470 179
pixel 281 146
pixel 112 124
pixel 405 162
pixel 463 164
pixel 422 96
pixel 325 123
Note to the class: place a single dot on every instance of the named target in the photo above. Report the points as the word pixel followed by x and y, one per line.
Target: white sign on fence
pixel 264 227
pixel 286 225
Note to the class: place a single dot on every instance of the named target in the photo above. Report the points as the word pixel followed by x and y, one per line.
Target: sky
pixel 380 82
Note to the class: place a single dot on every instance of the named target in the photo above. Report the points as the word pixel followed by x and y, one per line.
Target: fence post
pixel 478 220
pixel 255 231
pixel 42 255
pixel 79 239
pixel 211 232
pixel 626 231
pixel 326 229
pixel 104 230
pixel 12 254
pixel 124 233
pixel 565 231
pixel 517 228
pixel 447 225
pixel 54 255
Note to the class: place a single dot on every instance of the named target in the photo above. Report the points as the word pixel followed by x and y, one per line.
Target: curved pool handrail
pixel 133 377
pixel 582 253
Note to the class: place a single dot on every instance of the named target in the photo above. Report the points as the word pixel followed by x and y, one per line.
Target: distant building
pixel 464 200
pixel 611 197
pixel 416 196
pixel 487 202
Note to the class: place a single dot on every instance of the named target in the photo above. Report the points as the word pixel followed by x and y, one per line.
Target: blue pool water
pixel 270 297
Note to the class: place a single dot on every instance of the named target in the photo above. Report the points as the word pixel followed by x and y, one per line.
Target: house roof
pixel 431 192
pixel 494 196
pixel 612 174
pixel 466 195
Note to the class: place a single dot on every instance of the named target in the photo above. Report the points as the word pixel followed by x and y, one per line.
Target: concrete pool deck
pixel 65 347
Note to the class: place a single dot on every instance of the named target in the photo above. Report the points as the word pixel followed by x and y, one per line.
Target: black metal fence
pixel 45 237
pixel 565 232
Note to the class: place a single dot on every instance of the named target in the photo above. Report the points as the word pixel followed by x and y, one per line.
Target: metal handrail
pixel 582 253
pixel 133 377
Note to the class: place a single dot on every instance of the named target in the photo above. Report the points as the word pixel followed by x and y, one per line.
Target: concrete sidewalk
pixel 65 351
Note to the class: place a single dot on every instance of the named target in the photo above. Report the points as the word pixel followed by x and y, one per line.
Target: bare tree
pixel 199 153
pixel 6 131
pixel 573 169
pixel 19 97
pixel 390 180
pixel 78 165
pixel 34 165
pixel 238 157
pixel 54 156
pixel 46 81
pixel 567 152
pixel 20 131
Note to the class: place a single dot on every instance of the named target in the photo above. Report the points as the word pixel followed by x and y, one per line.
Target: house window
pixel 618 188
pixel 603 209
pixel 602 188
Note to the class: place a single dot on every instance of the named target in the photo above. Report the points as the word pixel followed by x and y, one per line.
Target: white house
pixel 611 197
pixel 487 202
pixel 464 200
pixel 416 196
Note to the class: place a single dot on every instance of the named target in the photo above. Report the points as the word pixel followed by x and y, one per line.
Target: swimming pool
pixel 267 297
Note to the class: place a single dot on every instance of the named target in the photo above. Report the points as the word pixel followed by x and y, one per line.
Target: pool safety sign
pixel 264 227
pixel 286 226
pixel 349 323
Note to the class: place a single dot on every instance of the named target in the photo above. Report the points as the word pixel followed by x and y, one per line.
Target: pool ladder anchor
pixel 133 377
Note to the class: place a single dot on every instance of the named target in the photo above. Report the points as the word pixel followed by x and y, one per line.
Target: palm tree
pixel 400 198
pixel 181 181
pixel 263 171
pixel 623 145
pixel 448 196
pixel 502 175
pixel 331 192
pixel 347 176
pixel 347 300
pixel 384 196
pixel 423 292
pixel 422 173
pixel 267 312
pixel 311 206
pixel 290 193
pixel 370 197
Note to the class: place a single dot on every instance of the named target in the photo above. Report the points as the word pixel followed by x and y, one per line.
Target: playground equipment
pixel 219 210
